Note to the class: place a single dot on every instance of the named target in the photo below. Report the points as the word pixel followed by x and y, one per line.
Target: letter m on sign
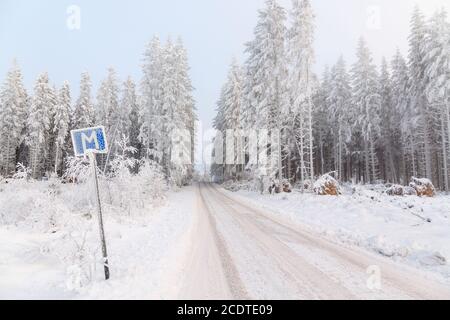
pixel 89 140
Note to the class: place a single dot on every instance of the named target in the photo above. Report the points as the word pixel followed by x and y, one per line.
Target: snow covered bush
pixel 22 172
pixel 409 191
pixel 280 186
pixel 307 184
pixel 78 170
pixel 287 187
pixel 34 204
pixel 246 185
pixel 133 190
pixel 124 163
pixel 151 178
pixel 275 187
pixel 423 187
pixel 64 213
pixel 81 253
pixel 178 176
pixel 327 185
pixel 398 190
pixel 395 190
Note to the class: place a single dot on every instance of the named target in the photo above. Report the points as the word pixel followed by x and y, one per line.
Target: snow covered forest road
pixel 241 252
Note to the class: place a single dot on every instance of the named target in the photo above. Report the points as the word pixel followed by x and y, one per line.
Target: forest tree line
pixel 365 122
pixel 35 128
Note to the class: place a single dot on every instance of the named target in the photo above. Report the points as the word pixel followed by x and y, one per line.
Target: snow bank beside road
pixel 143 257
pixel 50 243
pixel 396 227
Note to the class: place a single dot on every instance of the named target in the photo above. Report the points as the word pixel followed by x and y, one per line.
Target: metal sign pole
pixel 99 213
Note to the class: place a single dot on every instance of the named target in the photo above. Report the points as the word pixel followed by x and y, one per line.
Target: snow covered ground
pixel 157 243
pixel 396 227
pixel 49 242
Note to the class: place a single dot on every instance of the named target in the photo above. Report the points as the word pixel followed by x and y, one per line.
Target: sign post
pixel 99 213
pixel 89 142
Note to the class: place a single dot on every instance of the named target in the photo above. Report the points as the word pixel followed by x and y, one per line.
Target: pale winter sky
pixel 115 32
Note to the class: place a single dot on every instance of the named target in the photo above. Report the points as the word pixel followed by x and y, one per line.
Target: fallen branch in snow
pixel 428 220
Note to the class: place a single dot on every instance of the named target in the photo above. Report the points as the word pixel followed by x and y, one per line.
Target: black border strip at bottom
pixel 219 309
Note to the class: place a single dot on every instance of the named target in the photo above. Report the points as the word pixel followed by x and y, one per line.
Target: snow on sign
pixel 89 140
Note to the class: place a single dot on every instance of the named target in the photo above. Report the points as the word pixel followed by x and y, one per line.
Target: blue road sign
pixel 89 140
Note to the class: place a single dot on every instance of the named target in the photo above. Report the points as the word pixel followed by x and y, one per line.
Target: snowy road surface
pixel 241 252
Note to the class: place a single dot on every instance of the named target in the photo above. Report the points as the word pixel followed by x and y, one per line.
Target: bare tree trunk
pixel 336 154
pixel 393 177
pixel 340 168
pixel 311 139
pixel 289 164
pixel 373 160
pixel 280 163
pixel 367 162
pixel 7 156
pixel 447 112
pixel 302 164
pixel 56 158
pixel 444 154
pixel 322 164
pixel 349 168
pixel 403 177
pixel 427 143
pixel 413 157
pixel 35 160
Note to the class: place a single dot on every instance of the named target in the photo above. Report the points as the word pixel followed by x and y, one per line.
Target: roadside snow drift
pixel 411 229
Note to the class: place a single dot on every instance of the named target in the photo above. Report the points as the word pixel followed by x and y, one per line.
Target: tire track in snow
pixel 237 287
pixel 307 281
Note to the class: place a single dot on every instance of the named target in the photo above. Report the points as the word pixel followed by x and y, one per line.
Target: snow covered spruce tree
pixel 150 105
pixel 188 108
pixel 177 111
pixel 61 124
pixel 129 106
pixel 83 114
pixel 400 105
pixel 168 109
pixel 340 114
pixel 367 103
pixel 39 125
pixel 390 136
pixel 218 156
pixel 171 114
pixel 13 113
pixel 301 84
pixel 323 125
pixel 107 108
pixel 422 110
pixel 108 113
pixel 368 126
pixel 229 122
pixel 437 87
pixel 265 85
